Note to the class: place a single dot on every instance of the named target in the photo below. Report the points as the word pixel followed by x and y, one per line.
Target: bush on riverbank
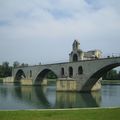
pixel 1 80
pixel 81 114
pixel 110 82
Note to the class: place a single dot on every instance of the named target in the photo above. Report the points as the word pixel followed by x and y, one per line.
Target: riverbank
pixel 78 114
pixel 110 82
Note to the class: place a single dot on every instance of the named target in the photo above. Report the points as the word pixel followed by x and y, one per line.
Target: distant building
pixel 77 54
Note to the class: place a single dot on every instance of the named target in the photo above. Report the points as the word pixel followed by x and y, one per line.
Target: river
pixel 18 97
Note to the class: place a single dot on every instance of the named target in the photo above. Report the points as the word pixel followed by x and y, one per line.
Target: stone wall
pixel 8 80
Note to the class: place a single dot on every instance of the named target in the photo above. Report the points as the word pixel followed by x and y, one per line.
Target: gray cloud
pixel 43 31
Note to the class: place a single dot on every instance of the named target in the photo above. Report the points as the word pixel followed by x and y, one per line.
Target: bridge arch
pixel 42 75
pixel 98 74
pixel 19 75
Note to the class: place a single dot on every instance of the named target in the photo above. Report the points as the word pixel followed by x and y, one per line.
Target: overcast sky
pixel 33 31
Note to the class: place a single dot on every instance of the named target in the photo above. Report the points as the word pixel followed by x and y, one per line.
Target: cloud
pixel 43 30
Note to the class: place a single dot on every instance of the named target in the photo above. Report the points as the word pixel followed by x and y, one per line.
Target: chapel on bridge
pixel 77 54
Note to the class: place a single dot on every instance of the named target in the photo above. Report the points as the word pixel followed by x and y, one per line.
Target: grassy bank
pixel 82 114
pixel 110 82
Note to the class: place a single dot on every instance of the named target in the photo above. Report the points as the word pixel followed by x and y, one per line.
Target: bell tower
pixel 76 45
pixel 76 54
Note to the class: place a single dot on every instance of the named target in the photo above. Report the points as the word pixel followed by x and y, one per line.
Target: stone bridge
pixel 83 75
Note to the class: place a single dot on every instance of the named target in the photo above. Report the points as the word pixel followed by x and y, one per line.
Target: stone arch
pixel 97 75
pixel 75 57
pixel 42 75
pixel 19 75
pixel 70 71
pixel 80 70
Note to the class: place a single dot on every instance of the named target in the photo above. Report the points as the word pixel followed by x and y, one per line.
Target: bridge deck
pixel 70 62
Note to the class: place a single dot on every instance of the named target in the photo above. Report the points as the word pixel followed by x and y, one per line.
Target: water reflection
pixel 74 100
pixel 31 97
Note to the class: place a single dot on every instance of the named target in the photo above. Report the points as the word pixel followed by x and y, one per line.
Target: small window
pixel 70 72
pixel 30 73
pixel 80 70
pixel 62 72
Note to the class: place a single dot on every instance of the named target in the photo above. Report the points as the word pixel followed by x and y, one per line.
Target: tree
pixel 5 70
pixel 5 64
pixel 112 75
pixel 51 75
pixel 24 65
pixel 119 75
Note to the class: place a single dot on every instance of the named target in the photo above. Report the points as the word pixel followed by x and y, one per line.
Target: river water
pixel 37 97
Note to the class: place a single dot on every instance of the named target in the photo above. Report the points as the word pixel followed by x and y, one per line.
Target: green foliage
pixel 112 75
pixel 5 70
pixel 1 80
pixel 16 64
pixel 51 75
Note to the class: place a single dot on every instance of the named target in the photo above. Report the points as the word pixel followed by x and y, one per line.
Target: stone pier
pixel 66 84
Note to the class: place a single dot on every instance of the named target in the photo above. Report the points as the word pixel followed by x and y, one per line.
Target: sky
pixel 42 31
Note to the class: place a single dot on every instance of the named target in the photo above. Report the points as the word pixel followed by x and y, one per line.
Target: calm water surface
pixel 36 97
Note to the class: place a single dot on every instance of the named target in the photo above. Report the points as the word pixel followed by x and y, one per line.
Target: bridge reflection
pixel 47 97
pixel 74 100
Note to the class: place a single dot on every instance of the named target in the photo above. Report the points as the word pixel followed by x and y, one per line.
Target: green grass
pixel 82 114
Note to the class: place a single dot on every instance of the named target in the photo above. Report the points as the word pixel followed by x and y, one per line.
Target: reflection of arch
pixel 80 70
pixel 41 96
pixel 75 100
pixel 43 74
pixel 38 97
pixel 33 95
pixel 98 74
pixel 70 71
pixel 19 75
pixel 75 58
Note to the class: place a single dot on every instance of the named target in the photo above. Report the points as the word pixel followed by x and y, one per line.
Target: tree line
pixel 112 75
pixel 6 69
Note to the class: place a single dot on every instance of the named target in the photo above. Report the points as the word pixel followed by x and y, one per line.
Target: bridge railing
pixel 111 55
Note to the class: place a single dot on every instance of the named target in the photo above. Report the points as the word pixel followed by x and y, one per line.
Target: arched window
pixel 30 73
pixel 70 71
pixel 80 70
pixel 75 58
pixel 62 72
